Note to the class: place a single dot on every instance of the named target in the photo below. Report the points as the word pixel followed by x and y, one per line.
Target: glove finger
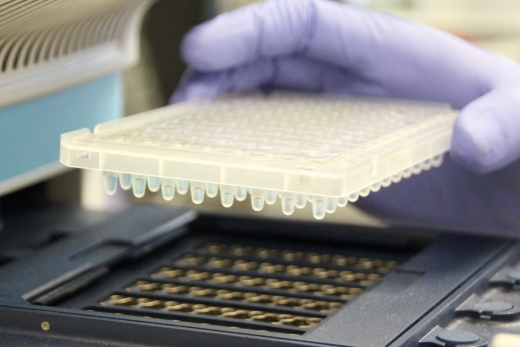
pixel 197 84
pixel 309 75
pixel 261 30
pixel 293 73
pixel 486 136
pixel 394 53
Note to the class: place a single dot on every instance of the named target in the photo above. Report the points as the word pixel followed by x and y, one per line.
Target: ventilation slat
pixel 51 45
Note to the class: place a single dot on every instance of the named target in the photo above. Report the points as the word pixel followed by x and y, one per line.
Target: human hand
pixel 326 47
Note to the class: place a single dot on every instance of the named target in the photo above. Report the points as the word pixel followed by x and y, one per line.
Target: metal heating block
pixel 159 277
pixel 259 288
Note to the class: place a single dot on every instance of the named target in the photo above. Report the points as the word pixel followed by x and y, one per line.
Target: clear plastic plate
pixel 297 147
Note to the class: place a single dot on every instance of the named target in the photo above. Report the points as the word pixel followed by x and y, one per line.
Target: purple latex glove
pixel 327 47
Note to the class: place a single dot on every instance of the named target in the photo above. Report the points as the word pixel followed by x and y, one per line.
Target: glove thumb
pixel 486 136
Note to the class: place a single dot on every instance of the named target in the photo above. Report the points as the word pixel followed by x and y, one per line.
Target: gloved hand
pixel 327 47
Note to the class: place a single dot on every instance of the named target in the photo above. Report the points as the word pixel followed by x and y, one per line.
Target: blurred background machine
pixel 78 268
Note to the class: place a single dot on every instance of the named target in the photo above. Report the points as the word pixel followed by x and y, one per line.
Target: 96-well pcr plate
pixel 299 147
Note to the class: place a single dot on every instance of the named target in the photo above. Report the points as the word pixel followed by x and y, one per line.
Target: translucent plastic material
pixel 299 148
